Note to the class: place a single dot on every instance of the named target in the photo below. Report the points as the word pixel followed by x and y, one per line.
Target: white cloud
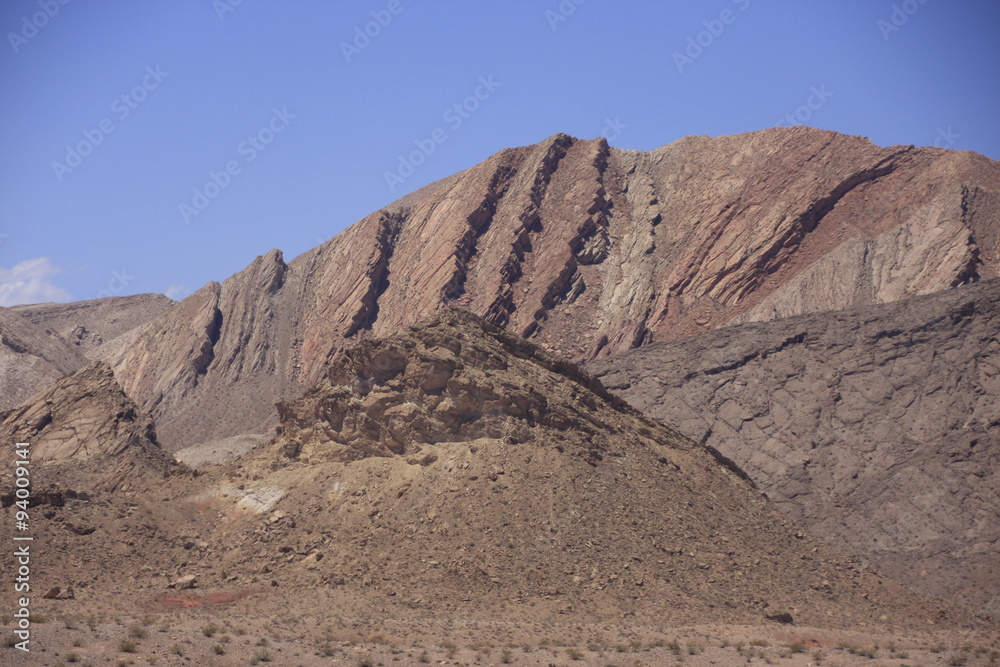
pixel 176 292
pixel 27 283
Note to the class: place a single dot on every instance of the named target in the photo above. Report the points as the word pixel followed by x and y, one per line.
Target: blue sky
pixel 153 146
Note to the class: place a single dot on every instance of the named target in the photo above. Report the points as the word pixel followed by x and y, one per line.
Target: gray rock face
pixel 878 429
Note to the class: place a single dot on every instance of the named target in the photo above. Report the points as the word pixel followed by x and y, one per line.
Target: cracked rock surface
pixel 878 429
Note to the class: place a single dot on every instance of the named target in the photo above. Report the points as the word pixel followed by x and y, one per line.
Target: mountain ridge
pixel 586 249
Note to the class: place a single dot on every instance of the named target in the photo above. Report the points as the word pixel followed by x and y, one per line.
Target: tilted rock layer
pixel 587 250
pixel 877 429
pixel 85 436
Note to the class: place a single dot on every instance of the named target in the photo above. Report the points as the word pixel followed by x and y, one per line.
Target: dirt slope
pixel 877 429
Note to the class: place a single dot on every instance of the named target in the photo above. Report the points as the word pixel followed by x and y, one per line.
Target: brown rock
pixel 41 343
pixel 85 436
pixel 583 248
pixel 575 495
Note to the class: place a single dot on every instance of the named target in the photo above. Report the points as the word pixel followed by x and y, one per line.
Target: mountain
pixel 89 324
pixel 585 249
pixel 41 343
pixel 456 469
pixel 877 429
pixel 31 358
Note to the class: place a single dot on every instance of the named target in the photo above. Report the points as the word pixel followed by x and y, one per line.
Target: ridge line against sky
pixel 154 147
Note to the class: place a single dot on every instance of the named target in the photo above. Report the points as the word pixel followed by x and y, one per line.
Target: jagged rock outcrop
pixel 587 250
pixel 877 429
pixel 455 378
pixel 456 466
pixel 86 436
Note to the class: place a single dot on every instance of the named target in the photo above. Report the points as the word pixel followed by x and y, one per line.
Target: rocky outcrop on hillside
pixel 877 429
pixel 458 467
pixel 85 436
pixel 586 250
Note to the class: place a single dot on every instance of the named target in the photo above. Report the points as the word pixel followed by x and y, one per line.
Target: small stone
pixel 185 582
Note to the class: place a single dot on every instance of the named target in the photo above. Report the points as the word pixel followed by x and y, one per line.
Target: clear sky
pixel 153 146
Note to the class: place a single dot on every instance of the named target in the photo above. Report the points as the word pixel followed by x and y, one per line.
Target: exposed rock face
pixel 41 343
pixel 457 465
pixel 877 429
pixel 586 249
pixel 90 324
pixel 86 436
pixel 454 379
pixel 31 358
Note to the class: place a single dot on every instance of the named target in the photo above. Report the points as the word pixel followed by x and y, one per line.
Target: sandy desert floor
pixel 243 632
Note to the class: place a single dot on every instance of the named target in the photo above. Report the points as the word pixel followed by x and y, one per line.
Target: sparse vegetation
pixel 574 653
pixel 128 646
